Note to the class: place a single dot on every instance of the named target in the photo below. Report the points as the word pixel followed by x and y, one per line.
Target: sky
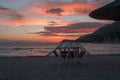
pixel 48 20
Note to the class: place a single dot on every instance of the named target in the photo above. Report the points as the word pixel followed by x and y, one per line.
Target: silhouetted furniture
pixel 56 54
pixel 81 54
pixel 70 52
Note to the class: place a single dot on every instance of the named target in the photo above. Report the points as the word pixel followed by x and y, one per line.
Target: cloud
pixel 12 14
pixel 24 22
pixel 56 11
pixel 72 30
pixel 44 12
pixel 60 23
pixel 52 34
pixel 75 27
pixel 2 8
pixel 62 8
pixel 12 17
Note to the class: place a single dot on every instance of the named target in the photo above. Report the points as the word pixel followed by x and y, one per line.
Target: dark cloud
pixel 84 11
pixel 55 11
pixel 53 34
pixel 11 13
pixel 52 23
pixel 40 32
pixel 73 30
pixel 17 16
pixel 2 8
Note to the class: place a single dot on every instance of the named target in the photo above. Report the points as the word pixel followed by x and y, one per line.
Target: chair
pixel 80 56
pixel 68 52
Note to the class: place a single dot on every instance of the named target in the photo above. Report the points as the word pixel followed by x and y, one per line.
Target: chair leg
pixel 83 60
pixel 59 61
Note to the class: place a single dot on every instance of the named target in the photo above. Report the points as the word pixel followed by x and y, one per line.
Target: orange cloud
pixel 62 9
pixel 44 12
pixel 17 18
pixel 60 23
pixel 79 27
pixel 23 22
pixel 71 31
pixel 7 13
pixel 34 21
pixel 57 37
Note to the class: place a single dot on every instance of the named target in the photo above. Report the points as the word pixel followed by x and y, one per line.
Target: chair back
pixel 56 53
pixel 81 54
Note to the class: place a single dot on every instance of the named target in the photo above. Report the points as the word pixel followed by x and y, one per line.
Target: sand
pixel 45 68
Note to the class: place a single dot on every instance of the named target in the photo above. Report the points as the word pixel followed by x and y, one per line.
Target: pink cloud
pixel 12 14
pixel 70 31
pixel 62 9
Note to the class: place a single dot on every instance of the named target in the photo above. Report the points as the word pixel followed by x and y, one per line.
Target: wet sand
pixel 46 68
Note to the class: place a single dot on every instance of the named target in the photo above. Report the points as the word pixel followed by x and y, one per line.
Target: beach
pixel 35 36
pixel 95 67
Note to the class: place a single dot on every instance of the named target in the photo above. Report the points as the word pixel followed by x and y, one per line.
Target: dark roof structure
pixel 110 11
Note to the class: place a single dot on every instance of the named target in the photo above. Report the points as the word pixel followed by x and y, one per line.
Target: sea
pixel 22 49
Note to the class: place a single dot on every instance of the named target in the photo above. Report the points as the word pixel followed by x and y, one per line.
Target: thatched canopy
pixel 110 11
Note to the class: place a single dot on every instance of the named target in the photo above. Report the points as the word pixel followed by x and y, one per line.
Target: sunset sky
pixel 48 20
